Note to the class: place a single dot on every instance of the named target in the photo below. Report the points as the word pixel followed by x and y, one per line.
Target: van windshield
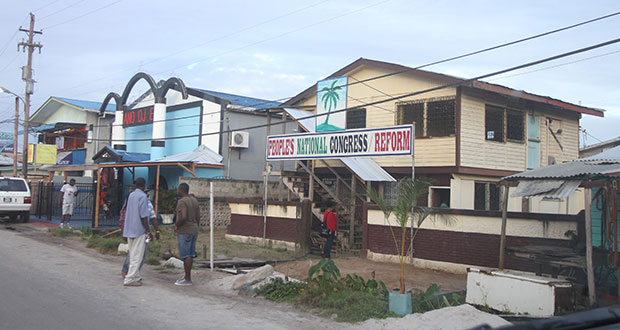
pixel 12 185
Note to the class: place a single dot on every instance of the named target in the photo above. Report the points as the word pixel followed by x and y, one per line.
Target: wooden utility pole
pixel 30 45
pixel 15 136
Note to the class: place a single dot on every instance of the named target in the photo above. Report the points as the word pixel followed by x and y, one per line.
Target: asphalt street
pixel 51 286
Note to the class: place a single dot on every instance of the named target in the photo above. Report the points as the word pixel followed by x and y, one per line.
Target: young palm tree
pixel 330 98
pixel 405 205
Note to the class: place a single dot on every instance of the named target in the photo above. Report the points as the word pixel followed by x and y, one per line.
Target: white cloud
pixel 265 57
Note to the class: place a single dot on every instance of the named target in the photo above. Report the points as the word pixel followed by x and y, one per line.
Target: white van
pixel 15 198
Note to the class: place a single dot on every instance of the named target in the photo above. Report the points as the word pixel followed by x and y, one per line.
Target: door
pixel 533 142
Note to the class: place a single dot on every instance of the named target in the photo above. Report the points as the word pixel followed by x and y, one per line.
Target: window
pixel 440 118
pixel 356 118
pixel 413 112
pixel 494 123
pixel 432 117
pixel 503 124
pixel 515 125
pixel 486 196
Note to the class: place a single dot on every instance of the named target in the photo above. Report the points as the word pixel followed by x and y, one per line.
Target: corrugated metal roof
pixel 243 101
pixel 367 170
pixel 608 156
pixel 200 155
pixel 87 104
pixel 574 169
pixel 546 188
pixel 309 124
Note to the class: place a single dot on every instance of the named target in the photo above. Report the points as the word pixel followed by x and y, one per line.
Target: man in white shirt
pixel 67 196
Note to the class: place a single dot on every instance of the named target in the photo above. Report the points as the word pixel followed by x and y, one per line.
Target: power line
pixel 556 66
pixel 60 10
pixel 85 14
pixel 46 5
pixel 245 46
pixel 455 84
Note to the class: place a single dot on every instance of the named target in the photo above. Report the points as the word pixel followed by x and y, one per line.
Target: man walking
pixel 188 220
pixel 136 230
pixel 68 192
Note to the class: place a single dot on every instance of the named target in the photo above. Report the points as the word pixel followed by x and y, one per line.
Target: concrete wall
pixel 249 164
pixel 233 188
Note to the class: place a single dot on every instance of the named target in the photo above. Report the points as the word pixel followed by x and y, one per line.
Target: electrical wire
pixel 60 10
pixel 455 84
pixel 83 15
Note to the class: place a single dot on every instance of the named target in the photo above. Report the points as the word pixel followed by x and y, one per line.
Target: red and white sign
pixel 140 116
pixel 365 142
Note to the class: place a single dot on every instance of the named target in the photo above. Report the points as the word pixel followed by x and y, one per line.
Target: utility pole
pixel 27 77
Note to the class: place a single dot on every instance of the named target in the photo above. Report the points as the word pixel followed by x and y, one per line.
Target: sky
pixel 276 49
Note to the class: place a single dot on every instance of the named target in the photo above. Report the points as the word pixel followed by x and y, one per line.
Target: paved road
pixel 50 286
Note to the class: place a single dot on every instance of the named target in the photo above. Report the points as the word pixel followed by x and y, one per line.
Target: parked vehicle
pixel 15 198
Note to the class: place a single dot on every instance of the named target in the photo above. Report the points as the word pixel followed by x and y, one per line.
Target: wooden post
pixel 502 239
pixel 157 191
pixel 266 180
pixel 589 266
pixel 352 217
pixel 281 183
pixel 97 197
pixel 302 228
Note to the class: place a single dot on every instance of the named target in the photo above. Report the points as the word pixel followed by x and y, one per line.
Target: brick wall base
pixel 281 229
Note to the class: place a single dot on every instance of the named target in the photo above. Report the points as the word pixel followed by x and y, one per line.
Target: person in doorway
pixel 153 219
pixel 186 228
pixel 136 230
pixel 68 192
pixel 331 220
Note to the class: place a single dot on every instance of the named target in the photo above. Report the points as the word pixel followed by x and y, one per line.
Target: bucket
pixel 400 303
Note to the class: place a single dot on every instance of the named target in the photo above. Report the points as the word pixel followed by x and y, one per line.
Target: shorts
pixel 187 245
pixel 67 209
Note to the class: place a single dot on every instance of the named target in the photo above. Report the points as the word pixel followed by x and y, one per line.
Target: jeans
pixel 327 249
pixel 125 269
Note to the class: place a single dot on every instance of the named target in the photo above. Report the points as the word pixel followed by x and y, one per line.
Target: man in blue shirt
pixel 136 230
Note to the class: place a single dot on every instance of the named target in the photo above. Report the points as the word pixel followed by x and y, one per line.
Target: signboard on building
pixel 331 96
pixel 366 142
pixel 139 116
pixel 42 154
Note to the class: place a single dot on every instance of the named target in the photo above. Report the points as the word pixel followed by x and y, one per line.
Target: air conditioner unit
pixel 240 140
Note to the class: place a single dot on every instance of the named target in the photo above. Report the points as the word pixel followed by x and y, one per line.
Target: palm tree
pixel 330 97
pixel 409 191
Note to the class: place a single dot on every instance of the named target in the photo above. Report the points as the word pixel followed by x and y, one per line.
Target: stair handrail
pixel 316 178
pixel 341 179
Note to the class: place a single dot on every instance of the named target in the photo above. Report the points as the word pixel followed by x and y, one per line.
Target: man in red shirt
pixel 331 220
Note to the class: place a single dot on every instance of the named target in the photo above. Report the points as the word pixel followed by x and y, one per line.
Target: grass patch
pixel 152 259
pixel 353 306
pixel 104 245
pixel 62 232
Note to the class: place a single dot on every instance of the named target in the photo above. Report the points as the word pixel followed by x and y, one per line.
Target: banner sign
pixel 365 142
pixel 140 116
pixel 331 96
pixel 42 154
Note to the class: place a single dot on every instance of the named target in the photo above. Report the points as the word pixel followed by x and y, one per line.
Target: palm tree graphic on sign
pixel 330 100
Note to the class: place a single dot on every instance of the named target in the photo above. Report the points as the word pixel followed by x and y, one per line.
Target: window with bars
pixel 486 196
pixel 503 124
pixel 494 123
pixel 432 117
pixel 356 118
pixel 412 112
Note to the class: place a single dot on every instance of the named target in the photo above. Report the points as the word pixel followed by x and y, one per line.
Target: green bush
pixel 86 231
pixel 424 301
pixel 280 290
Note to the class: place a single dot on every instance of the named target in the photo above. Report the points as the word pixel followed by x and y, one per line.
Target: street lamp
pixel 17 98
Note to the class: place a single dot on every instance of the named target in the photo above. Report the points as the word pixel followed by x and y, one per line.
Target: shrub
pixel 355 306
pixel 424 301
pixel 280 290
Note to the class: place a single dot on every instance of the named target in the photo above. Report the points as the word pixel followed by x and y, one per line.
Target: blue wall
pixel 174 128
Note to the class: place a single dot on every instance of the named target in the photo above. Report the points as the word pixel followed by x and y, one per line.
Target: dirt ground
pixel 298 267
pixel 386 272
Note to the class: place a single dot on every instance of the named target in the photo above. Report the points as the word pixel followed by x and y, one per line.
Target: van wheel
pixel 25 217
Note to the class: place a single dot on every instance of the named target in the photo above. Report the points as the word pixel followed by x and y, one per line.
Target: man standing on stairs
pixel 331 220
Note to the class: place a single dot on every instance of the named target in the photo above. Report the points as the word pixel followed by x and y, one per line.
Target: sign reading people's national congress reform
pixel 368 142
